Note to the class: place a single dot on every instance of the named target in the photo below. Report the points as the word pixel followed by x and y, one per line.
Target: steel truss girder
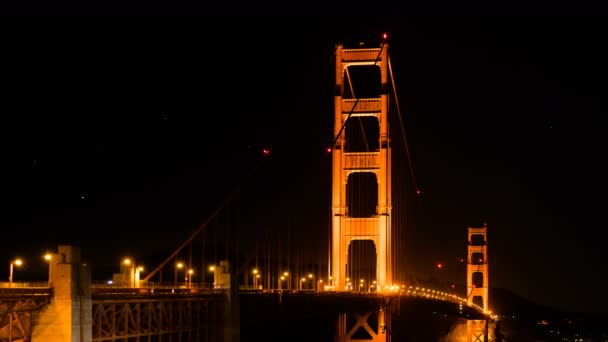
pixel 16 315
pixel 145 320
pixel 379 332
pixel 476 331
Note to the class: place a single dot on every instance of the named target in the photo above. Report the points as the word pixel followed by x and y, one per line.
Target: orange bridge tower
pixel 361 150
pixel 477 281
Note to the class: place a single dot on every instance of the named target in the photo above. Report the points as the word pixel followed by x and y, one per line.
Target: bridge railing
pixel 30 284
pixel 153 285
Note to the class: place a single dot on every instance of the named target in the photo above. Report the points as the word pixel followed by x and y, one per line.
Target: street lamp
pixel 190 272
pixel 47 257
pixel 129 271
pixel 288 276
pixel 178 266
pixel 254 276
pixel 17 262
pixel 212 270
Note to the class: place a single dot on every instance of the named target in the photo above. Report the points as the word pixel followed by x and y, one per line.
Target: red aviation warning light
pixel 265 151
pixel 328 149
pixel 384 36
pixel 418 192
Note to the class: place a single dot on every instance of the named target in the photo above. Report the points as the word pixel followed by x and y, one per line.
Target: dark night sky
pixel 122 135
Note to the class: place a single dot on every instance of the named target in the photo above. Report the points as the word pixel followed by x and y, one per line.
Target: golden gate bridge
pixel 356 279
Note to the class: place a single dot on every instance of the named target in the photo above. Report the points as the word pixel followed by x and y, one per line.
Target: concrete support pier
pixel 68 317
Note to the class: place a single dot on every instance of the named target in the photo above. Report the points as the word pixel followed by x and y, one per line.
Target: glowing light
pixel 328 150
pixel 127 261
pixel 440 265
pixel 418 192
pixel 266 151
pixel 48 256
pixel 385 36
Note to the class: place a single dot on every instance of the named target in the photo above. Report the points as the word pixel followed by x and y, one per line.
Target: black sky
pixel 126 133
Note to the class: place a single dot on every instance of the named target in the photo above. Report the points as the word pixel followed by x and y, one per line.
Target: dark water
pixel 263 319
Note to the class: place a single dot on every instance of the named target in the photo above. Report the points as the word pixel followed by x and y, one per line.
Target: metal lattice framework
pixel 18 309
pixel 184 319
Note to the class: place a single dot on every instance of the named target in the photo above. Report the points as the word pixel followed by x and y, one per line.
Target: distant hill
pixel 523 320
pixel 506 303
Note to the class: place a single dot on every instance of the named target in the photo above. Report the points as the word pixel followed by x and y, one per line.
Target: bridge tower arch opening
pixel 361 148
pixel 361 270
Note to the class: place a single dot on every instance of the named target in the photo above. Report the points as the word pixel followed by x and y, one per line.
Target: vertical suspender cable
pixel 407 153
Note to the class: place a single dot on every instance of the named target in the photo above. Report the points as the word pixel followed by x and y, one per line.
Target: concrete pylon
pixel 376 227
pixel 68 318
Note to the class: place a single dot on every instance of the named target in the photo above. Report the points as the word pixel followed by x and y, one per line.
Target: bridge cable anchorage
pixel 202 226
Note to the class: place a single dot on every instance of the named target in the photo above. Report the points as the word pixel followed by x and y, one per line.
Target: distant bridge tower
pixel 352 159
pixel 477 281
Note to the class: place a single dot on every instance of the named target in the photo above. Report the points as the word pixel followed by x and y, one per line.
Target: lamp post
pixel 254 276
pixel 48 257
pixel 212 270
pixel 190 272
pixel 178 266
pixel 16 262
pixel 288 277
pixel 129 272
